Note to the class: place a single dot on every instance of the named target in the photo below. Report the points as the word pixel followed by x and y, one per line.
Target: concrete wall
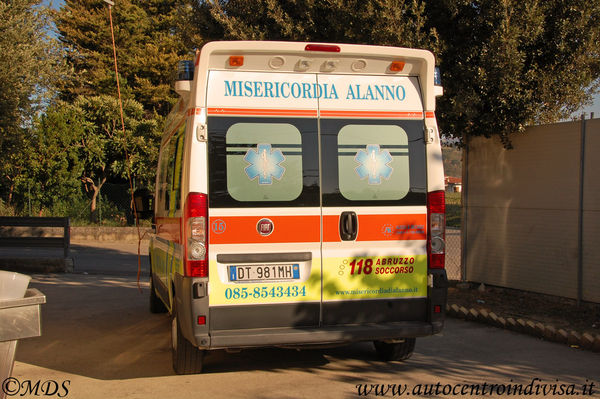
pixel 523 206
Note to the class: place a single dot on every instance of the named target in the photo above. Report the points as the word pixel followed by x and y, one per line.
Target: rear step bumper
pixel 322 335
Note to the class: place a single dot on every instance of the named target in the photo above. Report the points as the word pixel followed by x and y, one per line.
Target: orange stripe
pixel 262 112
pixel 373 114
pixel 331 228
pixel 379 227
pixel 243 229
pixel 429 114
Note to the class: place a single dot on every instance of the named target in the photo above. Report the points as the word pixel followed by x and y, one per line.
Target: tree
pixel 508 64
pixel 149 45
pixel 106 151
pixel 385 22
pixel 30 64
pixel 52 165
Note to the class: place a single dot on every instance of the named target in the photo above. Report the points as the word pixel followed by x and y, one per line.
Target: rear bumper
pixel 288 328
pixel 321 335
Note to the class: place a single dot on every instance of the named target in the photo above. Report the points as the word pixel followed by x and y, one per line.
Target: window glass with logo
pixel 264 162
pixel 373 162
pixel 259 162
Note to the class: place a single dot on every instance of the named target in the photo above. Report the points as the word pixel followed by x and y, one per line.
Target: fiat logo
pixel 264 227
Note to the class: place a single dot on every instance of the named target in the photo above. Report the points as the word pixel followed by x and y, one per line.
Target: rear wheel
pixel 156 304
pixel 187 359
pixel 395 351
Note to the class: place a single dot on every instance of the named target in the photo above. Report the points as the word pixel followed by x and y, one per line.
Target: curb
pixel 547 332
pixel 80 233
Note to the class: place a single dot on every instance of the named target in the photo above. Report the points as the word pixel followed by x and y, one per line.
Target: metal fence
pixel 453 235
pixel 453 254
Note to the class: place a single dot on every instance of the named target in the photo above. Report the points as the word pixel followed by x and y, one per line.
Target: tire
pixel 156 304
pixel 187 359
pixel 395 351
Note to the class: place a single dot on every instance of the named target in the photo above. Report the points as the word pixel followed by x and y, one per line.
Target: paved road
pixel 99 336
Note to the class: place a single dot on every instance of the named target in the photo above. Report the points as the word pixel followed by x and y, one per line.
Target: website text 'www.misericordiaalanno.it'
pixel 536 387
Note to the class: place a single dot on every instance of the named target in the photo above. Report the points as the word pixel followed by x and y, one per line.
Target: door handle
pixel 348 226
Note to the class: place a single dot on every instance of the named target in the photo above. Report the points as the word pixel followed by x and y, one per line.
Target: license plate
pixel 264 272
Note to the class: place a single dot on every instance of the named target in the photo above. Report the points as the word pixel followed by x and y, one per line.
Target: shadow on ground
pixel 100 327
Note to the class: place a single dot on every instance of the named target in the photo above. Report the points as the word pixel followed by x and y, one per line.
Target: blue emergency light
pixel 185 70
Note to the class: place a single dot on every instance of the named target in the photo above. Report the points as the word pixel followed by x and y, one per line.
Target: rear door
pixel 374 200
pixel 264 204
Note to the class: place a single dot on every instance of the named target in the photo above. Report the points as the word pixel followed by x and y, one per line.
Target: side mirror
pixel 144 203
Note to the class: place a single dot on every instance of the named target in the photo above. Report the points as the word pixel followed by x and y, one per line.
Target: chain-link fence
pixel 453 254
pixel 453 237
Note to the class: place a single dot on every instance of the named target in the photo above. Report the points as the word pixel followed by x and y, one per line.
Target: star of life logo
pixel 374 164
pixel 264 163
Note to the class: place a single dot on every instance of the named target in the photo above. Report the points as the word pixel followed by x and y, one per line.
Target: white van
pixel 300 200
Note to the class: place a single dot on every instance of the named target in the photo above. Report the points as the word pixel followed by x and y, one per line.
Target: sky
pixel 595 107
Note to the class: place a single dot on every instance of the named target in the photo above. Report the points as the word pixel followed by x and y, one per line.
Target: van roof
pixel 303 57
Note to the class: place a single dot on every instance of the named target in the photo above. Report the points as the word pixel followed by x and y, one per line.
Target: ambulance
pixel 300 200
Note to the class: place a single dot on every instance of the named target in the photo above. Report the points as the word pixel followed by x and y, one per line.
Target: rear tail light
pixel 196 235
pixel 436 233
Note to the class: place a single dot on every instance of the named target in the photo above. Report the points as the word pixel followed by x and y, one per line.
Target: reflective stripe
pixel 379 227
pixel 373 114
pixel 243 229
pixel 262 112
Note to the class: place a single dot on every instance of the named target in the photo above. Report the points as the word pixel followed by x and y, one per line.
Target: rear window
pixel 367 162
pixel 264 161
pixel 373 162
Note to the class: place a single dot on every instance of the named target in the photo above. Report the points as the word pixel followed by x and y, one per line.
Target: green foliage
pixel 385 22
pixel 148 43
pixel 52 165
pixel 30 64
pixel 109 153
pixel 84 143
pixel 103 144
pixel 512 63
